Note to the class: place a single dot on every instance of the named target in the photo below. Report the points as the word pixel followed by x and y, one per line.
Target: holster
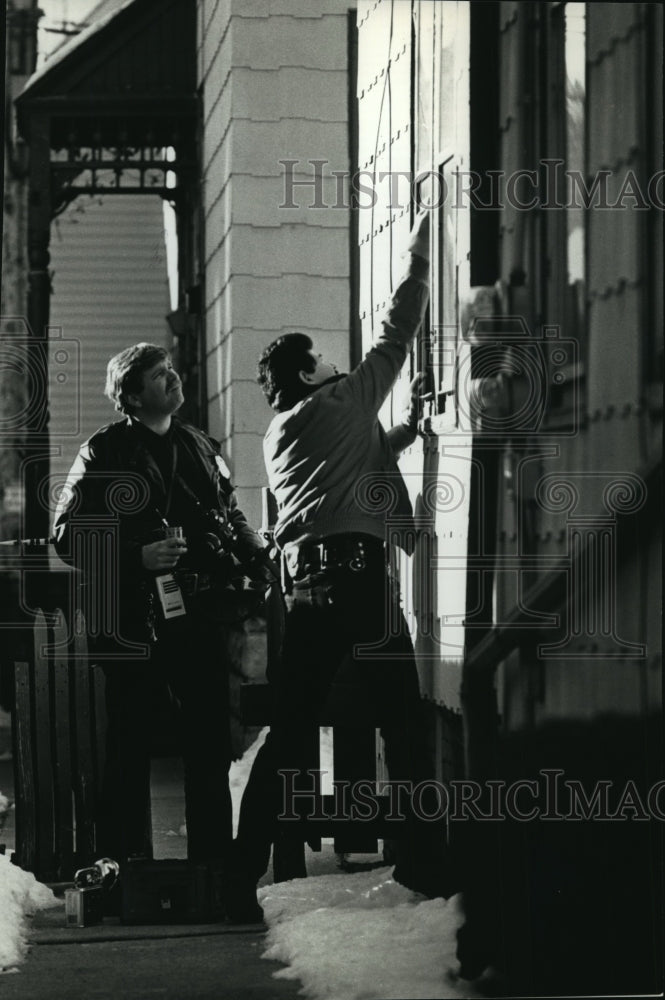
pixel 312 595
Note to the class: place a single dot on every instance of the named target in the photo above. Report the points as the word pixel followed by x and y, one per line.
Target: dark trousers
pixel 184 683
pixel 320 649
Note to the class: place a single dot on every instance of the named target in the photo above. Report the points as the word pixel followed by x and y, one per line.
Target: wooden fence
pixel 59 734
pixel 59 724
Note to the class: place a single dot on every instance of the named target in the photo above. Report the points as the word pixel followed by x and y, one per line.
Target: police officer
pixel 150 518
pixel 330 463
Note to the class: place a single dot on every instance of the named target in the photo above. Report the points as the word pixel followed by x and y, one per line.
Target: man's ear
pixel 306 377
pixel 134 402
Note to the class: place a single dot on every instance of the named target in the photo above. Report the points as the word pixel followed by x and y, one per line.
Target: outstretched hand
pixel 419 241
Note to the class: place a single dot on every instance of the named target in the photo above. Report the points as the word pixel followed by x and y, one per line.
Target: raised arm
pixel 369 384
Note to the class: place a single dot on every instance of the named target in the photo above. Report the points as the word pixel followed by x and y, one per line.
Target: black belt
pixel 353 552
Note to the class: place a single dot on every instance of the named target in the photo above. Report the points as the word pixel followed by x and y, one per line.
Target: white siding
pixel 275 87
pixel 109 291
pixel 436 471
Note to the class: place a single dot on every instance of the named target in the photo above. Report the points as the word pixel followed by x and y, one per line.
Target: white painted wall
pixel 275 86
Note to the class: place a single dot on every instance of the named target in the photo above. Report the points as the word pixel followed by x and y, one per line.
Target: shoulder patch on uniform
pixel 222 466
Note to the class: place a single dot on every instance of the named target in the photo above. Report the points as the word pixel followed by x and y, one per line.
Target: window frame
pixel 567 392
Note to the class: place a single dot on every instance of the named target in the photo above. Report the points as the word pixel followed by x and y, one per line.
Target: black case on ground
pixel 156 892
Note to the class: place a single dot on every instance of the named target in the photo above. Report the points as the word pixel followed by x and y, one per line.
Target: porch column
pixel 36 465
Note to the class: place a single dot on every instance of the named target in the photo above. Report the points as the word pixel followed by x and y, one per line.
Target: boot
pixel 239 900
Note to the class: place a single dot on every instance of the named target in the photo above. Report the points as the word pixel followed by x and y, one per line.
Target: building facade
pixel 534 133
pixel 273 85
pixel 20 60
pixel 295 142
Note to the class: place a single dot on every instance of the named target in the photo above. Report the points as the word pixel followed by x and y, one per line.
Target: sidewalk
pixel 178 962
pixel 353 934
pixel 192 962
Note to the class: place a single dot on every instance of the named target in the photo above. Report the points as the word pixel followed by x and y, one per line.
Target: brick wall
pixel 274 81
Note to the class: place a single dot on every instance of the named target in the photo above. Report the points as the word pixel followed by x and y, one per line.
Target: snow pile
pixel 357 937
pixel 348 937
pixel 21 895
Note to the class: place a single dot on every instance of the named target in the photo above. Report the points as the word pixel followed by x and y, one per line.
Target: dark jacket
pixel 113 505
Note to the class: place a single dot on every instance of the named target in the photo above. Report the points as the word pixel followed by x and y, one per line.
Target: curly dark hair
pixel 125 371
pixel 278 370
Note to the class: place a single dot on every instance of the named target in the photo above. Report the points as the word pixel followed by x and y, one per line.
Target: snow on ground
pixel 363 936
pixel 21 895
pixel 360 936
